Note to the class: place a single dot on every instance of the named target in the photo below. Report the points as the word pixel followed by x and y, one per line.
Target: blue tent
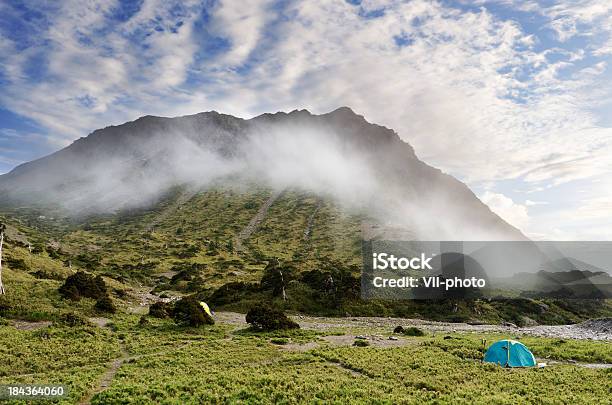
pixel 510 353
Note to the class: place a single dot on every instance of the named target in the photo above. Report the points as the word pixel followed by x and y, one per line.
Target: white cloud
pixel 476 95
pixel 241 22
pixel 530 203
pixel 579 17
pixel 511 212
pixel 94 80
pixel 595 208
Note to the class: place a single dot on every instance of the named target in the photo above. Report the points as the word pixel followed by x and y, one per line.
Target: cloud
pixel 511 212
pixel 581 17
pixel 464 84
pixel 595 208
pixel 95 71
pixel 530 203
pixel 241 23
pixel 476 92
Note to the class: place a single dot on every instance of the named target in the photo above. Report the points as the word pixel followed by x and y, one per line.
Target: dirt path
pixel 254 223
pixel 598 366
pixel 113 367
pixel 310 222
pixel 99 321
pixel 346 367
pixel 346 340
pixel 107 377
pixel 27 325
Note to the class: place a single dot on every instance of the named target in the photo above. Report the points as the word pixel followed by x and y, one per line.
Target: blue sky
pixel 512 97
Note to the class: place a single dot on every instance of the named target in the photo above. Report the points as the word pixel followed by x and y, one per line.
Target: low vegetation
pixel 265 318
pixel 261 368
pixel 105 304
pixel 413 331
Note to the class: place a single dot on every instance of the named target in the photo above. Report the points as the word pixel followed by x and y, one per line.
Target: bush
pixel 188 311
pixel 82 284
pixel 186 251
pixel 361 343
pixel 231 292
pixel 276 277
pixel 16 264
pixel 72 319
pixel 159 310
pixel 398 329
pixel 268 319
pixel 186 271
pixel 70 292
pixel 105 304
pixel 413 331
pixel 334 280
pixel 44 275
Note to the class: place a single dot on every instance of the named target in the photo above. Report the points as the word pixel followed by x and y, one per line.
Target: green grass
pixel 170 364
pixel 75 357
pixel 53 349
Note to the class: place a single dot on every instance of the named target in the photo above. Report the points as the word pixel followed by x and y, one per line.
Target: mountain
pixel 570 278
pixel 339 156
pixel 213 205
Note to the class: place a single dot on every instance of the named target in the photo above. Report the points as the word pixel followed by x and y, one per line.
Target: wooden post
pixel 2 228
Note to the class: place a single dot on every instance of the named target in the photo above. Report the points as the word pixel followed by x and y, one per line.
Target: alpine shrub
pixel 268 319
pixel 82 284
pixel 188 311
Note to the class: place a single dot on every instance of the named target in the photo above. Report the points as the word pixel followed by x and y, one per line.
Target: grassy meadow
pixel 164 363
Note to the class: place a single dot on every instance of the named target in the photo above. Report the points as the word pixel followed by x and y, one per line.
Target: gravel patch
pixel 594 329
pixel 26 325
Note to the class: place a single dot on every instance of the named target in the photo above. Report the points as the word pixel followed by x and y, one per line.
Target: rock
pixel 527 321
pixel 509 324
pixel 543 307
pixel 393 338
pixel 361 337
pixel 601 325
pixel 475 322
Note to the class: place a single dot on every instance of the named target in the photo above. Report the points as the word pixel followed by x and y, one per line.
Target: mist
pixel 364 169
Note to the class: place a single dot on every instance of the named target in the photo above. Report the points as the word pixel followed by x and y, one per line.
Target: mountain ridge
pixel 338 153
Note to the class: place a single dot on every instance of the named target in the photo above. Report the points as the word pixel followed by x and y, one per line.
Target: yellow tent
pixel 206 308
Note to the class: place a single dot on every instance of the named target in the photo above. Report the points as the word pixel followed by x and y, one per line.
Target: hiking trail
pixel 311 219
pixel 107 377
pixel 254 223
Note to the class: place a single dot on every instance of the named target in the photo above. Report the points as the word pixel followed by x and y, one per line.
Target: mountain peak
pixel 343 110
